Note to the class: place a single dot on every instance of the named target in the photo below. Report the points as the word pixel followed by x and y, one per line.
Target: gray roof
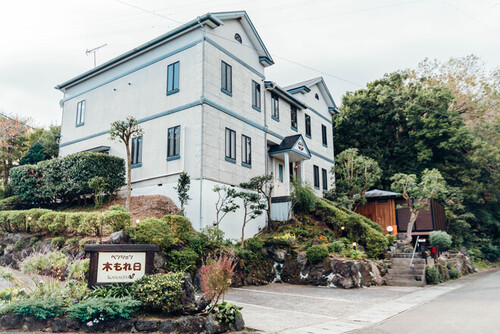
pixel 376 193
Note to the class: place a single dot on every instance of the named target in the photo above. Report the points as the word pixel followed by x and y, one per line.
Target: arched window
pixel 238 38
pixel 316 96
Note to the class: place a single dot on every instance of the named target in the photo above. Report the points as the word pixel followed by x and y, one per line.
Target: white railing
pixel 414 250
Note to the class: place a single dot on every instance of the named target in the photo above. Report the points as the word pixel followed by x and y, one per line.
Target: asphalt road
pixel 473 308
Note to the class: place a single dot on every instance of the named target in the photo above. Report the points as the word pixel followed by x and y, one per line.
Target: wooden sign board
pixel 119 264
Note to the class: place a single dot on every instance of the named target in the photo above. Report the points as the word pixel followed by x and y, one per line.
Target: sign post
pixel 112 264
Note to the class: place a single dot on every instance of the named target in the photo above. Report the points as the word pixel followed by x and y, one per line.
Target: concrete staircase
pixel 400 273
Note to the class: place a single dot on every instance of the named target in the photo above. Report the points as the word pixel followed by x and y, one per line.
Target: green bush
pixel 44 308
pixel 153 231
pixel 303 198
pixel 454 273
pixel 278 242
pixel 254 245
pixel 20 245
pixel 159 292
pixel 391 239
pixel 66 178
pixel 316 253
pixel 9 203
pixel 103 309
pixel 353 253
pixel 78 270
pixel 90 224
pixel 42 223
pixel 117 207
pixel 57 242
pixel 214 235
pixel 199 244
pixel 52 263
pixel 72 242
pixel 115 291
pixel 227 312
pixel 116 219
pixel 337 246
pixel 181 228
pixel 13 221
pixel 440 240
pixel 184 260
pixel 58 224
pixel 432 275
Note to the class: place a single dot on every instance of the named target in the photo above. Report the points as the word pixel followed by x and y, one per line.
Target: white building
pixel 199 93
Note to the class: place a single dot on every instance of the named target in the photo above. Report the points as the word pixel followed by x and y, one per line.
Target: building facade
pixel 201 96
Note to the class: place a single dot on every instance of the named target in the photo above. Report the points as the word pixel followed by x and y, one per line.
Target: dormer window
pixel 316 96
pixel 238 38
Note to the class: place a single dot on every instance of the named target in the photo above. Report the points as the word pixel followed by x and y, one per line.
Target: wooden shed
pixel 381 207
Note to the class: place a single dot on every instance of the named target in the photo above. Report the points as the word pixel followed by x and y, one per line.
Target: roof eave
pixel 283 93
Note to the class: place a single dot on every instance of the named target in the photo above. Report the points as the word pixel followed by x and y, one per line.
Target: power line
pixel 472 17
pixel 147 11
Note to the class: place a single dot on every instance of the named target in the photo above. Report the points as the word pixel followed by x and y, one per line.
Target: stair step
pixel 405 277
pixel 416 267
pixel 407 260
pixel 391 282
pixel 405 271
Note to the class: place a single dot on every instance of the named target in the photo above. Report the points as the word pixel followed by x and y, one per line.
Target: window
pixel 316 96
pixel 280 169
pixel 174 143
pixel 308 126
pixel 323 132
pixel 316 177
pixel 255 95
pixel 293 113
pixel 325 179
pixel 136 152
pixel 275 107
pixel 230 145
pixel 238 38
pixel 173 78
pixel 227 79
pixel 80 113
pixel 246 151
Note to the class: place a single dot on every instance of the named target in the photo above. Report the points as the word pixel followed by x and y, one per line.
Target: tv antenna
pixel 94 51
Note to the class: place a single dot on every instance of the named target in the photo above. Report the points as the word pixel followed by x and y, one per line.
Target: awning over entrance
pixel 294 145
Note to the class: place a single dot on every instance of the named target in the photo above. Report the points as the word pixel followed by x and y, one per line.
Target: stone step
pixel 407 266
pixel 406 271
pixel 407 260
pixel 405 277
pixel 395 282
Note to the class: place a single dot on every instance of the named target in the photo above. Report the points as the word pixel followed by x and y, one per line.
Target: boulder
pixel 375 274
pixel 213 326
pixel 8 260
pixel 117 237
pixel 238 324
pixel 143 325
pixel 201 303
pixel 33 324
pixel 159 261
pixel 277 254
pixel 194 324
pixel 168 326
pixel 9 249
pixel 188 297
pixel 11 321
pixel 66 325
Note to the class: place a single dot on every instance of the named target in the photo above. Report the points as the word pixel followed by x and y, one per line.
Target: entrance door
pixel 385 213
pixel 279 178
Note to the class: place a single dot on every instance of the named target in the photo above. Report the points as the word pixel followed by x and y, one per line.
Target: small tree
pixel 354 175
pixel 183 186
pixel 98 184
pixel 417 196
pixel 124 131
pixel 216 275
pixel 225 202
pixel 263 185
pixel 253 207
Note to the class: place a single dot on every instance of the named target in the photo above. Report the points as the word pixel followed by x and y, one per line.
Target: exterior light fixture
pixel 354 245
pixel 29 218
pixel 137 221
pixel 342 228
pixel 390 229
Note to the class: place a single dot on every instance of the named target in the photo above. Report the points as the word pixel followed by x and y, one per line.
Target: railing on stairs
pixel 414 250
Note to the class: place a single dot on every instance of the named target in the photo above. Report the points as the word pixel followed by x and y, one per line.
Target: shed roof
pixel 377 193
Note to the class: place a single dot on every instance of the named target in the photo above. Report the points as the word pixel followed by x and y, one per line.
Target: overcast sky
pixel 348 42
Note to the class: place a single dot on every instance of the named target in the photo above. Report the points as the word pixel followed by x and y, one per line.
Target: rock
pixel 9 249
pixel 201 303
pixel 66 325
pixel 278 254
pixel 197 280
pixel 213 326
pixel 117 237
pixel 118 325
pixel 238 324
pixel 188 298
pixel 168 326
pixel 192 324
pixel 8 260
pixel 147 325
pixel 301 261
pixel 33 324
pixel 159 260
pixel 375 274
pixel 11 321
pixel 12 238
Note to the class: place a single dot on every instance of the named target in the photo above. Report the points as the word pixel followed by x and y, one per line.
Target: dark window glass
pixel 293 113
pixel 226 76
pixel 246 150
pixel 325 179
pixel 308 125
pixel 255 95
pixel 323 132
pixel 230 144
pixel 280 168
pixel 136 150
pixel 80 113
pixel 316 176
pixel 238 38
pixel 275 106
pixel 173 78
pixel 174 142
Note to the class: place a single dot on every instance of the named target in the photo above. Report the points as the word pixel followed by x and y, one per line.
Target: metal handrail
pixel 414 250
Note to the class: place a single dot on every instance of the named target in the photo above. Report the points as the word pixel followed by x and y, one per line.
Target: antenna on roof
pixel 94 50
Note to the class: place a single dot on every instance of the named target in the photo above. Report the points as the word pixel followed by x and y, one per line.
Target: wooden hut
pixel 381 207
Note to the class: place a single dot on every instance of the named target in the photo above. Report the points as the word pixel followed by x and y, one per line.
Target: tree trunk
pixel 129 179
pixel 243 227
pixel 413 219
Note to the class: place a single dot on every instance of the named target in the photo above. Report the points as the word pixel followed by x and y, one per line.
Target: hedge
pixel 357 228
pixel 66 178
pixel 62 223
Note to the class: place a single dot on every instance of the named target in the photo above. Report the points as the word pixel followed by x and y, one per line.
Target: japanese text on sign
pixel 120 267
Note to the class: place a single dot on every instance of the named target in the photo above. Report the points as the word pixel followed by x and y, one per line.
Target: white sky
pixel 43 43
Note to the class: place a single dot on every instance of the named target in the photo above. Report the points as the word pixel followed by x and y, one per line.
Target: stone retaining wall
pixel 187 324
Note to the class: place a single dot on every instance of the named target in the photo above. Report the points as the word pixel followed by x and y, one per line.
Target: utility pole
pixel 94 51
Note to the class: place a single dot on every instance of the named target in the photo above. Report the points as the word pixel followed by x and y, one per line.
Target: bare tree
pixel 253 207
pixel 225 202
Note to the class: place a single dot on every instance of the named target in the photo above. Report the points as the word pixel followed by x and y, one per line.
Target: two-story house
pixel 199 93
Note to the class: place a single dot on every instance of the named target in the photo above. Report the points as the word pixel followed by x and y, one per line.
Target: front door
pixel 279 178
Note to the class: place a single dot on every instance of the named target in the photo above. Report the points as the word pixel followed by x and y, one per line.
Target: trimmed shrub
pixel 180 226
pixel 9 203
pixel 58 224
pixel 153 231
pixel 103 309
pixel 337 246
pixel 316 253
pixel 44 308
pixel 66 178
pixel 454 273
pixel 432 275
pixel 159 292
pixel 90 224
pixel 184 260
pixel 117 220
pixel 42 223
pixel 303 198
pixel 440 240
